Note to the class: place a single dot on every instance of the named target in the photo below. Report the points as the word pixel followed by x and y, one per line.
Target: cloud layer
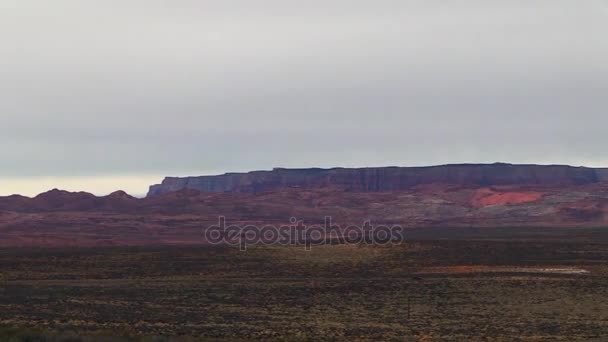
pixel 115 88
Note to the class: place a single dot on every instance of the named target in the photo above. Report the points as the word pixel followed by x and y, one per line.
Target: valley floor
pixel 534 287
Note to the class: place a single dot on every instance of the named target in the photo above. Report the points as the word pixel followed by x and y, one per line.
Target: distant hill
pixel 177 212
pixel 379 179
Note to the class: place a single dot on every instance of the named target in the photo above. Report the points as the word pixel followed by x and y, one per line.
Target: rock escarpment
pixel 380 179
pixel 61 218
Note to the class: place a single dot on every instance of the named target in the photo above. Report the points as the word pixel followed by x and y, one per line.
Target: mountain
pixel 381 179
pixel 482 196
pixel 61 200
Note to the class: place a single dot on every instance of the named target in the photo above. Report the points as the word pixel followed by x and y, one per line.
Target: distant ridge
pixel 464 195
pixel 390 178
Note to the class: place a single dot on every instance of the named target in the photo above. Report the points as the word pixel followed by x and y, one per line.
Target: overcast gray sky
pixel 101 95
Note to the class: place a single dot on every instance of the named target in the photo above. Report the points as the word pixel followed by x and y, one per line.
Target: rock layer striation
pixel 380 179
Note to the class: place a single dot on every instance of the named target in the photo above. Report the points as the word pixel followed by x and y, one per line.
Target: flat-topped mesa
pixel 378 179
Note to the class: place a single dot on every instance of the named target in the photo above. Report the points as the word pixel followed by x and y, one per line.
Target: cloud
pixel 166 87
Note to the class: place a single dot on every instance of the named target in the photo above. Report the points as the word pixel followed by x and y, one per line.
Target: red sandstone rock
pixel 58 219
pixel 385 178
pixel 450 196
pixel 485 197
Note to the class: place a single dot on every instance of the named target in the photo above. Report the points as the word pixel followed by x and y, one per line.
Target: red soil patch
pixel 486 197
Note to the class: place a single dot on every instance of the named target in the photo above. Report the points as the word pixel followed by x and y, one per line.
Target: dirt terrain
pixel 526 287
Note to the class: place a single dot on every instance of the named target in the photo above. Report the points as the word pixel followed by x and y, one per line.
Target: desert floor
pixel 442 285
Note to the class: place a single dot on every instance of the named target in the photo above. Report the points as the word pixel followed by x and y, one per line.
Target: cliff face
pixel 602 175
pixel 379 179
pixel 61 218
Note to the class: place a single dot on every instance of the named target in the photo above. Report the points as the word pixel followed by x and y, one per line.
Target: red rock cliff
pixel 377 179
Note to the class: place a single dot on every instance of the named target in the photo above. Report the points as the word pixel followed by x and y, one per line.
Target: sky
pixel 116 94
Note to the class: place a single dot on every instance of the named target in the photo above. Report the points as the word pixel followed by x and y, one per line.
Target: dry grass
pixel 332 292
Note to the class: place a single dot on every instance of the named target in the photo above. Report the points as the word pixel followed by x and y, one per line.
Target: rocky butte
pixel 383 179
pixel 449 196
